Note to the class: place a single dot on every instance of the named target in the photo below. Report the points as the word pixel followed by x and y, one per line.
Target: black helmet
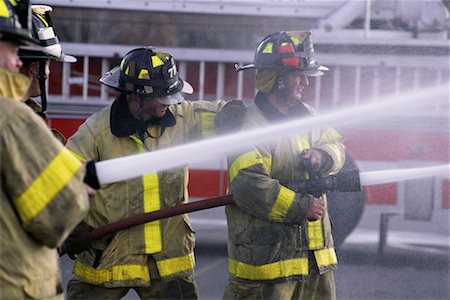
pixel 43 31
pixel 15 22
pixel 286 50
pixel 150 72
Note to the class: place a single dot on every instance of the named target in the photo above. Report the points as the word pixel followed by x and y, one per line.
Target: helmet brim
pixel 315 71
pixel 111 79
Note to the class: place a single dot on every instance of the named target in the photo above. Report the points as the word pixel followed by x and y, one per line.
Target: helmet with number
pixel 148 72
pixel 43 31
pixel 15 22
pixel 286 50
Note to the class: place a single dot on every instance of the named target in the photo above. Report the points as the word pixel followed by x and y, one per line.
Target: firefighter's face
pixel 294 84
pixel 151 107
pixel 32 72
pixel 9 58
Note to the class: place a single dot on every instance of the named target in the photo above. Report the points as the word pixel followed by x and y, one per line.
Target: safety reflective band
pixel 325 257
pixel 152 230
pixel 175 265
pixel 115 273
pixel 246 160
pixel 315 235
pixel 156 61
pixel 47 185
pixel 3 10
pixel 279 269
pixel 208 124
pixel 78 156
pixel 282 204
pixel 303 142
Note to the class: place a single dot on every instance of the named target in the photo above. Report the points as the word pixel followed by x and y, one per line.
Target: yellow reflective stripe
pixel 208 124
pixel 295 40
pixel 4 12
pixel 315 234
pixel 13 2
pixel 45 187
pixel 325 257
pixel 175 265
pixel 156 61
pixel 268 48
pixel 115 273
pixel 152 230
pixel 143 72
pixel 284 268
pixel 338 158
pixel 282 204
pixel 78 156
pixel 246 160
pixel 303 142
pixel 121 64
pixel 43 20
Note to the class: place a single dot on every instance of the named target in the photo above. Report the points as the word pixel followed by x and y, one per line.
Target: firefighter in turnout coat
pixel 155 259
pixel 42 196
pixel 279 238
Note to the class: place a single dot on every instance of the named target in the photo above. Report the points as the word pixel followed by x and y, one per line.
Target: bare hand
pixel 90 191
pixel 316 209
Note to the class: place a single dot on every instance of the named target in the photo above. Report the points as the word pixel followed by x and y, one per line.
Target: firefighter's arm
pixel 45 181
pixel 330 148
pixel 262 196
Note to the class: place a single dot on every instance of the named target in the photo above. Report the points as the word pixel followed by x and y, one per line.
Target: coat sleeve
pixel 42 179
pixel 200 117
pixel 82 144
pixel 257 193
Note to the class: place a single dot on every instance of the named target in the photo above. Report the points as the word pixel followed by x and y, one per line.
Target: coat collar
pixel 272 113
pixel 123 123
pixel 13 85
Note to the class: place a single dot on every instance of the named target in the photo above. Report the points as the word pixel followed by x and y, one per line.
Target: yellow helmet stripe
pixel 4 12
pixel 156 61
pixel 43 20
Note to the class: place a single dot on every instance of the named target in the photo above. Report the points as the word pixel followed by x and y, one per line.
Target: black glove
pixel 78 240
pixel 229 118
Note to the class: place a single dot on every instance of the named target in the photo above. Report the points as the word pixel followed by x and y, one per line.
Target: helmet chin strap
pixel 42 77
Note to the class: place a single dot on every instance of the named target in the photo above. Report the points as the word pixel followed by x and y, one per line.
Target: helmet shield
pixel 149 72
pixel 43 31
pixel 287 50
pixel 15 23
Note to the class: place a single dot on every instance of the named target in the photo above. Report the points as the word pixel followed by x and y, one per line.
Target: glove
pixel 78 240
pixel 317 162
pixel 229 118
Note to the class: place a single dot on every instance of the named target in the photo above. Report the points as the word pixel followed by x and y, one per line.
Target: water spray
pixel 132 166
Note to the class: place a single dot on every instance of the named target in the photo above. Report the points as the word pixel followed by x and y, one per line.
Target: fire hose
pixel 349 181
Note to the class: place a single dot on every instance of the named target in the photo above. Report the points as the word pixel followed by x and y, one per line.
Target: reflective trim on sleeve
pixel 282 204
pixel 337 156
pixel 208 124
pixel 152 202
pixel 47 185
pixel 78 156
pixel 315 235
pixel 325 257
pixel 246 160
pixel 115 273
pixel 175 265
pixel 303 142
pixel 279 269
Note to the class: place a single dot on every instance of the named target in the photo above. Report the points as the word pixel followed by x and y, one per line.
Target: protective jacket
pixel 42 197
pixel 124 259
pixel 269 237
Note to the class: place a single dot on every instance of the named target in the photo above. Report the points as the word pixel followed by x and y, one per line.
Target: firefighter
pixel 36 64
pixel 155 259
pixel 279 239
pixel 41 190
